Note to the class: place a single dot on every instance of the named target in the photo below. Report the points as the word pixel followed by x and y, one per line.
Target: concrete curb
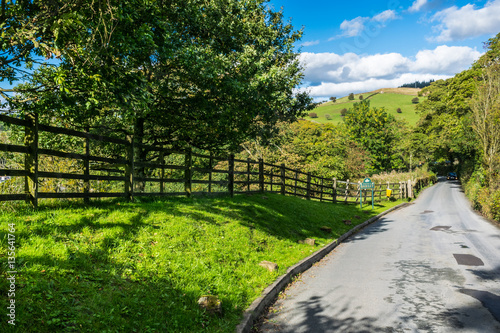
pixel 270 293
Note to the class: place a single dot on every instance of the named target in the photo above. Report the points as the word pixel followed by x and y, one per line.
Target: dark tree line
pixel 417 84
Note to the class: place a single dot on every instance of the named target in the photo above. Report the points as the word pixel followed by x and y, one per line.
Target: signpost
pixel 367 184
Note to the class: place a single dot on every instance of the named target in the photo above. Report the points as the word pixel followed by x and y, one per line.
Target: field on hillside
pixel 391 99
pixel 142 266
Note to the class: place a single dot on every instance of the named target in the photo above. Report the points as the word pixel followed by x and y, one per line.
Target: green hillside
pixel 391 99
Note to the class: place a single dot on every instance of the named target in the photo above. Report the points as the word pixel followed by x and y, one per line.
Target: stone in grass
pixel 357 217
pixel 308 241
pixel 326 229
pixel 211 304
pixel 347 222
pixel 270 266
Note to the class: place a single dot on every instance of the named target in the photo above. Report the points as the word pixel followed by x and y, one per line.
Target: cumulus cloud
pixel 445 59
pixel 328 89
pixel 353 27
pixel 356 26
pixel 466 22
pixel 330 74
pixel 417 6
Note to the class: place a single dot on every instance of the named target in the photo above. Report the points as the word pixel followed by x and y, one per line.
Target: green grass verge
pixel 141 267
pixel 388 100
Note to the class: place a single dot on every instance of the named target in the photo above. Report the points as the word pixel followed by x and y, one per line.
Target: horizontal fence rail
pixel 168 173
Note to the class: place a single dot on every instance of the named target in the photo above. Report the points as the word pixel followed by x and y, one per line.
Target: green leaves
pixel 376 131
pixel 201 73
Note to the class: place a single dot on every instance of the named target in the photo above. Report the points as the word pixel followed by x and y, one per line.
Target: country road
pixel 433 266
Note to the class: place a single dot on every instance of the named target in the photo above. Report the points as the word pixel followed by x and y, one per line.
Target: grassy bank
pixel 141 267
pixel 390 101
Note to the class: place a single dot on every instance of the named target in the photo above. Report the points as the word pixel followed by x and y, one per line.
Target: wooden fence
pixel 171 173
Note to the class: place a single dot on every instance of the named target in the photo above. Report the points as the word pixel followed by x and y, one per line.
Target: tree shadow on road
pixel 319 316
pixel 372 229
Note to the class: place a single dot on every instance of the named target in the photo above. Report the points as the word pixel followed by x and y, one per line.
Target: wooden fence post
pixel 272 174
pixel 162 172
pixel 261 175
pixel 210 166
pixel 400 191
pixel 188 161
pixel 248 174
pixel 346 190
pixel 321 193
pixel 410 189
pixel 334 194
pixel 283 178
pixel 230 185
pixel 308 194
pixel 296 178
pixel 86 167
pixel 129 169
pixel 31 159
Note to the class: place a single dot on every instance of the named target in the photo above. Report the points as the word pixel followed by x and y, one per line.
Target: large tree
pixel 446 116
pixel 486 120
pixel 376 131
pixel 208 74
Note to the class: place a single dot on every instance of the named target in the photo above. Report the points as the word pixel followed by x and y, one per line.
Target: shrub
pixel 495 205
pixel 351 97
pixel 360 97
pixel 313 115
pixel 327 116
pixel 415 100
pixel 343 112
pixel 399 110
pixel 333 99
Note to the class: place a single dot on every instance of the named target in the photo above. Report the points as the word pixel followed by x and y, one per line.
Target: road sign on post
pixel 367 184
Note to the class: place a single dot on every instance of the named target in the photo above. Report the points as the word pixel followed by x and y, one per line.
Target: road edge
pixel 269 294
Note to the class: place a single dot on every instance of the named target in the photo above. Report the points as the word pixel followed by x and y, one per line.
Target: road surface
pixel 433 266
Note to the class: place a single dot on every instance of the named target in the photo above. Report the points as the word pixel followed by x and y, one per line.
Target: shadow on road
pixel 325 314
pixel 319 317
pixel 372 229
pixel 489 300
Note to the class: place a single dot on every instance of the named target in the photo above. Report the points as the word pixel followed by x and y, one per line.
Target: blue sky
pixel 360 46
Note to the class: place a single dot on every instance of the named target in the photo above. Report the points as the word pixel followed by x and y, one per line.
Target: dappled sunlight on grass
pixel 117 266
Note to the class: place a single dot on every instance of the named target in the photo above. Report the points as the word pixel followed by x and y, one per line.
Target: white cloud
pixel 311 43
pixel 330 74
pixel 353 27
pixel 385 16
pixel 379 66
pixel 356 26
pixel 328 89
pixel 445 59
pixel 417 5
pixel 467 21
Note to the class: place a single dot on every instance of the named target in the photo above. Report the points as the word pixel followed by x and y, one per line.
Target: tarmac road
pixel 433 266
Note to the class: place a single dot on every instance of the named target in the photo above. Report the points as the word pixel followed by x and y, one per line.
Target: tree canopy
pixel 377 132
pixel 461 121
pixel 208 74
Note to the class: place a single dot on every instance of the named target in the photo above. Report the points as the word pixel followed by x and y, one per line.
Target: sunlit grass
pixel 390 101
pixel 141 267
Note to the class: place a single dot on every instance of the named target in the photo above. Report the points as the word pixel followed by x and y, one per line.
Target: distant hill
pixel 390 98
